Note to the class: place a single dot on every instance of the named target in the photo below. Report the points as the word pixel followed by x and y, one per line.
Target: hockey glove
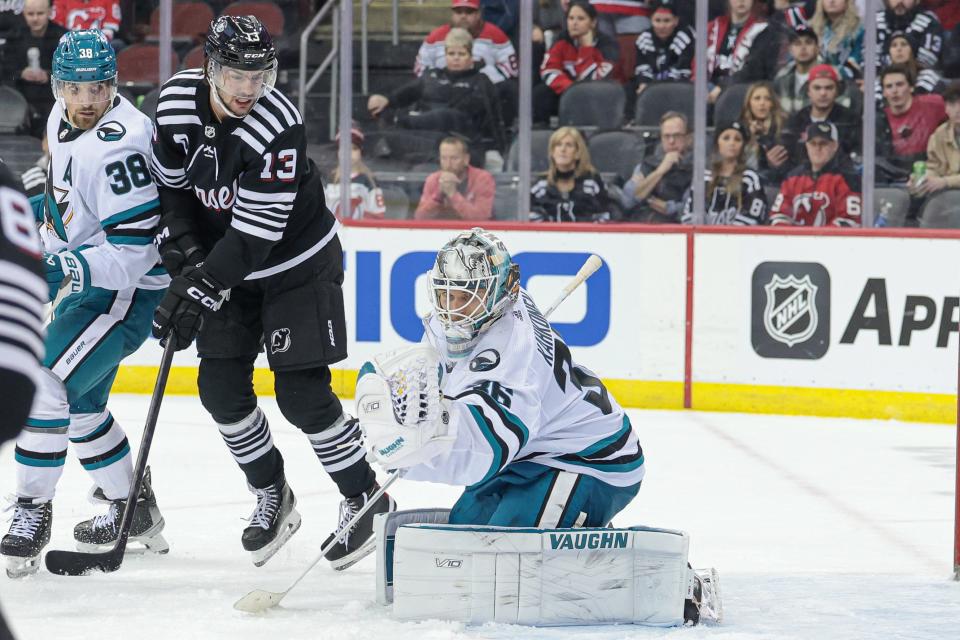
pixel 403 417
pixel 191 296
pixel 63 265
pixel 178 246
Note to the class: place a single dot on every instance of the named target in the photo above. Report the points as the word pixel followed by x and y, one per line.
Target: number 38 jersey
pixel 100 199
pixel 519 396
pixel 245 185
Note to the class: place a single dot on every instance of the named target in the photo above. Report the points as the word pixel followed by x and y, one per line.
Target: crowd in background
pixel 790 153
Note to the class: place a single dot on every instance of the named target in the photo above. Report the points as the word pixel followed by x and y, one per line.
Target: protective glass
pixel 241 83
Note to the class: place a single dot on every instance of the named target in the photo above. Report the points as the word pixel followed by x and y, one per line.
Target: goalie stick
pixel 260 600
pixel 78 563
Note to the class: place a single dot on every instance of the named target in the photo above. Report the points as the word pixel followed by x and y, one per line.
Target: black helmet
pixel 240 42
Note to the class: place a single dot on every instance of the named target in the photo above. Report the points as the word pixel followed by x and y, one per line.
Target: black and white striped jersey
pixel 245 184
pixel 23 292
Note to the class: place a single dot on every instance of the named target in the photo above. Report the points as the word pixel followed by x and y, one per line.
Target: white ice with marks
pixel 821 529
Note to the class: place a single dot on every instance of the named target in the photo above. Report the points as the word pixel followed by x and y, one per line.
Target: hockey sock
pixel 342 455
pixel 251 445
pixel 101 445
pixel 42 445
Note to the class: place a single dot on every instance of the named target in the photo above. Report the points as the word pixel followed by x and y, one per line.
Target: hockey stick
pixel 259 600
pixel 62 294
pixel 78 563
pixel 589 267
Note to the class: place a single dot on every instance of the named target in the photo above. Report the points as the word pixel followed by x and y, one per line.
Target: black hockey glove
pixel 191 296
pixel 179 247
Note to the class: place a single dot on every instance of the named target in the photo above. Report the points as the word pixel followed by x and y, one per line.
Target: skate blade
pixel 287 529
pixel 136 546
pixel 20 567
pixel 355 556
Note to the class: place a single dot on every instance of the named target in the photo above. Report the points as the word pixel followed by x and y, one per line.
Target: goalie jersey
pixel 100 200
pixel 520 397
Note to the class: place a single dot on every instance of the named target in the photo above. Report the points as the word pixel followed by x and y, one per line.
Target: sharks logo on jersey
pixel 111 131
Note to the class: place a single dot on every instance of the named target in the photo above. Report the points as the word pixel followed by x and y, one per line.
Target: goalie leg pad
pixel 543 577
pixel 385 527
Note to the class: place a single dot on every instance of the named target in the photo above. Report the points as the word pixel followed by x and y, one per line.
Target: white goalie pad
pixel 542 577
pixel 385 527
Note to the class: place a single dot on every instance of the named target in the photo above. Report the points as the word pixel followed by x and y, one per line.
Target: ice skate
pixel 100 532
pixel 29 534
pixel 707 603
pixel 359 541
pixel 274 520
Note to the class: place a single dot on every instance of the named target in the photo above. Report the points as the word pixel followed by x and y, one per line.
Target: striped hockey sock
pixel 251 445
pixel 342 455
pixel 103 450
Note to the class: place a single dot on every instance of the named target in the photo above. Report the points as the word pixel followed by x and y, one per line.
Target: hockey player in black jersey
pixel 257 261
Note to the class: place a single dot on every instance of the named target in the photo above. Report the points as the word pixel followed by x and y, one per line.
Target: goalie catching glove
pixel 404 419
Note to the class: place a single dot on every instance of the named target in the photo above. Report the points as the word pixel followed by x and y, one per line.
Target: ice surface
pixel 820 528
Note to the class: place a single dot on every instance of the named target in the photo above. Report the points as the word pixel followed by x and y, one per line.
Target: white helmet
pixel 470 285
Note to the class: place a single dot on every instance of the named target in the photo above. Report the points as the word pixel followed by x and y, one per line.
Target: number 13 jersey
pixel 100 200
pixel 245 184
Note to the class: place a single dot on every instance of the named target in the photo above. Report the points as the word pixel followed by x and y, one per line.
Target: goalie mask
pixel 240 64
pixel 472 281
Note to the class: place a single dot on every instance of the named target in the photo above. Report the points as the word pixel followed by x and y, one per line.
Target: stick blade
pixel 78 563
pixel 258 601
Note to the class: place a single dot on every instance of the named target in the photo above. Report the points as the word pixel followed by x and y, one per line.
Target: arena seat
pixel 730 103
pixel 595 103
pixel 194 58
pixel 189 22
pixel 140 64
pixel 942 211
pixel 660 97
pixel 13 109
pixel 539 139
pixel 616 152
pixel 894 202
pixel 396 202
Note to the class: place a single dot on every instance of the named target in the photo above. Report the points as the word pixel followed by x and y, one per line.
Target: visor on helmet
pixel 243 84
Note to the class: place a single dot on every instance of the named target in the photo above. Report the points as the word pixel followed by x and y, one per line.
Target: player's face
pixel 761 103
pixel 458 58
pixel 465 18
pixel 900 51
pixel 823 93
pixel 565 154
pixel 461 302
pixel 820 152
pixel 664 24
pixel 239 89
pixel 86 102
pixel 730 144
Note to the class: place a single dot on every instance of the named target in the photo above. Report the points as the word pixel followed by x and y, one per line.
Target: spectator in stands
pixel 572 189
pixel 947 11
pixel 838 25
pixel 457 191
pixel 366 198
pixel 943 150
pixel 74 15
pixel 734 192
pixel 767 149
pixel 900 51
pixel 656 190
pixel 791 81
pixel 503 14
pixel 28 56
pixel 921 27
pixel 581 53
pixel 617 17
pixel 825 190
pixel 492 49
pixel 823 86
pixel 740 48
pixel 909 121
pixel 455 98
pixel 665 51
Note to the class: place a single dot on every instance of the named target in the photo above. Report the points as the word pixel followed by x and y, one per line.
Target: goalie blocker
pixel 540 577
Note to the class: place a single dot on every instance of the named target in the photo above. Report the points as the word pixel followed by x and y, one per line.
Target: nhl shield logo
pixel 280 340
pixel 790 315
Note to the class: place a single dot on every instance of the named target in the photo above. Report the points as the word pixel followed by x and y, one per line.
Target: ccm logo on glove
pixel 209 302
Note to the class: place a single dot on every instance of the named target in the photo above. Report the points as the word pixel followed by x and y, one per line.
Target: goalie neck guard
pixel 472 281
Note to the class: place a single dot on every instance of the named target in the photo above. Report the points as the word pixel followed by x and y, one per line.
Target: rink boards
pixel 820 323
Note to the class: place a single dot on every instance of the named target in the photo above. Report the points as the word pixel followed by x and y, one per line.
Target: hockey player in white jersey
pixel 99 214
pixel 536 439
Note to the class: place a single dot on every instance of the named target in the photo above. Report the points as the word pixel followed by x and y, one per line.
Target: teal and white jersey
pixel 519 396
pixel 100 199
